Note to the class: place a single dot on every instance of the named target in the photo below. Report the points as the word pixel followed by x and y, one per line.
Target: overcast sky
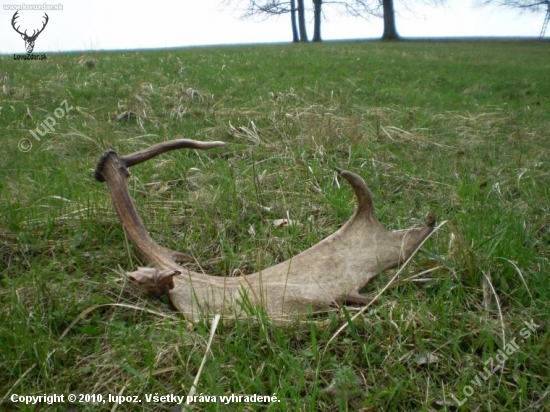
pixel 127 24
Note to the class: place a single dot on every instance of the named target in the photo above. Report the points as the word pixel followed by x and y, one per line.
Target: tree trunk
pixel 302 21
pixel 295 36
pixel 390 31
pixel 317 4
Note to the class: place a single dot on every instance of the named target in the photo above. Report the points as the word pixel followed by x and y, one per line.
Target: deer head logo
pixel 29 40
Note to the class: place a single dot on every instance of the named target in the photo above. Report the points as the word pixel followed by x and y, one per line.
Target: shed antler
pixel 327 274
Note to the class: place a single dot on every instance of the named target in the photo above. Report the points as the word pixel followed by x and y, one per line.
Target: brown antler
pixel 327 274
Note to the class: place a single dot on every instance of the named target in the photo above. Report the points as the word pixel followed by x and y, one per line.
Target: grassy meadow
pixel 456 129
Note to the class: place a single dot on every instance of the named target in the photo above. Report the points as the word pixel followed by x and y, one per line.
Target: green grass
pixel 459 130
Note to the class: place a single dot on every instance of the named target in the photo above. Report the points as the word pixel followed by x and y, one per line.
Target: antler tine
pixel 155 150
pixel 43 25
pixel 15 17
pixel 35 33
pixel 364 198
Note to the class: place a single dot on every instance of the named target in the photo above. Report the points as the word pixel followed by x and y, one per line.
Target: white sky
pixel 127 24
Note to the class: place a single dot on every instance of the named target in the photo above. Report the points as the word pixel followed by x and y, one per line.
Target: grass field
pixel 459 130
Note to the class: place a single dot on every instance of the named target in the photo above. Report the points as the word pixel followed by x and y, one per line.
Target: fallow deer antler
pixel 327 274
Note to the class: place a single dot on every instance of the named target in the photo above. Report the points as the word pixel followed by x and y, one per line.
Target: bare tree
pixel 297 11
pixel 531 5
pixel 390 29
pixel 378 8
pixel 386 10
pixel 317 11
pixel 524 5
pixel 357 8
pixel 295 34
pixel 268 8
pixel 302 20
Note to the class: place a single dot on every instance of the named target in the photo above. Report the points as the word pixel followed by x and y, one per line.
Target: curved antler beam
pixel 327 274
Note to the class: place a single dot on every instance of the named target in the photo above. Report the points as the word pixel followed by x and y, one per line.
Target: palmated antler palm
pixel 329 273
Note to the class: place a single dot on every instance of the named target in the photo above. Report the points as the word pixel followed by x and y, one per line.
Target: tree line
pixel 384 9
